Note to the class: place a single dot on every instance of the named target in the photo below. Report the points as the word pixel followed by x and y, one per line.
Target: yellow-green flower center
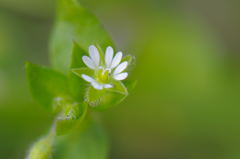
pixel 103 75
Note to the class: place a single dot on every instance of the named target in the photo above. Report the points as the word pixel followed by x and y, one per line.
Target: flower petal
pixel 120 68
pixel 97 85
pixel 108 86
pixel 120 76
pixel 108 56
pixel 89 62
pixel 116 60
pixel 94 54
pixel 87 78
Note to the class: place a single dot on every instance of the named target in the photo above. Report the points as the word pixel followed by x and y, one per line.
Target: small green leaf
pixel 76 84
pixel 46 84
pixel 77 54
pixel 74 23
pixel 72 114
pixel 103 99
pixel 83 70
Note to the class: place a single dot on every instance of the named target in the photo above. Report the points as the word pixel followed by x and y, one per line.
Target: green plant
pixel 77 85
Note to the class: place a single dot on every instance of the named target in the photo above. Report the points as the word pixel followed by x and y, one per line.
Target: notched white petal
pixel 88 62
pixel 108 86
pixel 116 60
pixel 120 76
pixel 108 56
pixel 87 78
pixel 97 85
pixel 120 68
pixel 94 54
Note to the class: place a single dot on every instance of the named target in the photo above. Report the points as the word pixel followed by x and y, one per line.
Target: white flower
pixel 110 68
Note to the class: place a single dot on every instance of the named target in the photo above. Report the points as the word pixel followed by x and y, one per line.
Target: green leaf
pixel 84 70
pixel 103 99
pixel 90 143
pixel 76 84
pixel 46 84
pixel 74 23
pixel 77 54
pixel 72 114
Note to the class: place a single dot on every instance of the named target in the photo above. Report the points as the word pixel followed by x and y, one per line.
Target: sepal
pixel 72 113
pixel 103 99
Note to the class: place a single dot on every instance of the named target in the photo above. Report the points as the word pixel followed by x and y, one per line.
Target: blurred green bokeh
pixel 186 104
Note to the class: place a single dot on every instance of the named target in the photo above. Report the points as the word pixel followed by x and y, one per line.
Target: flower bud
pixel 42 149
